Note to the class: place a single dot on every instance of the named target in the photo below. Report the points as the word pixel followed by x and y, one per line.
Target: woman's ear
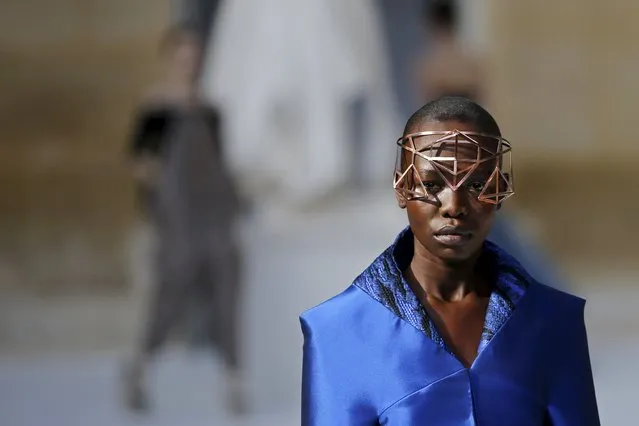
pixel 401 201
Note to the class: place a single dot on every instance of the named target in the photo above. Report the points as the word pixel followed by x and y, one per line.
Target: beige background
pixel 563 86
pixel 71 74
pixel 563 78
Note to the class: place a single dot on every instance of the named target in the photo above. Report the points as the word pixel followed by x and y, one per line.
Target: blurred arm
pixel 146 144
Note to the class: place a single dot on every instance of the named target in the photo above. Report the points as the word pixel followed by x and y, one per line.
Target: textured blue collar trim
pixel 383 280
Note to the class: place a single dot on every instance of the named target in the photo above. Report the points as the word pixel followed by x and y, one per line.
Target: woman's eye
pixel 477 186
pixel 431 186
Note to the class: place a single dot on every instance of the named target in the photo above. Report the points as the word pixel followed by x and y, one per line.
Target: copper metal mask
pixel 476 161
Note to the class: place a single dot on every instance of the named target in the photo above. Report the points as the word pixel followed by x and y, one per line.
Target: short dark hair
pixel 441 13
pixel 454 108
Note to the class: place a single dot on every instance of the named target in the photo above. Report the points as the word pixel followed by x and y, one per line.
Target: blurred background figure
pixel 447 68
pixel 306 91
pixel 188 195
pixel 406 44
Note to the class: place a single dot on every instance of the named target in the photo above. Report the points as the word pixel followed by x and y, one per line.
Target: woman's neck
pixel 175 93
pixel 176 82
pixel 443 39
pixel 432 277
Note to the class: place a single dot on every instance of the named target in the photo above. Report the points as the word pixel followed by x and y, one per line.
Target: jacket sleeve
pixel 571 399
pixel 328 396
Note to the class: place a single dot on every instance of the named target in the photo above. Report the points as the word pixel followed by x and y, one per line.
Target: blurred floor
pixel 295 262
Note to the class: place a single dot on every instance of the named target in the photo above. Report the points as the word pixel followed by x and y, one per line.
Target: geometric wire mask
pixel 483 159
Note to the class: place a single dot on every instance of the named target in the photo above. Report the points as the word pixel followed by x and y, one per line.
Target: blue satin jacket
pixel 372 356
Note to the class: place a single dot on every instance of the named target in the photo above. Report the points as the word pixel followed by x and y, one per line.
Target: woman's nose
pixel 454 203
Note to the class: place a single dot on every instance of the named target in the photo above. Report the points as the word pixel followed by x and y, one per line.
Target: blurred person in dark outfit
pixel 448 69
pixel 403 33
pixel 188 195
pixel 451 70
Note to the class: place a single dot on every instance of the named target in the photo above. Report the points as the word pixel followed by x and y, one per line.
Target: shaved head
pixel 454 108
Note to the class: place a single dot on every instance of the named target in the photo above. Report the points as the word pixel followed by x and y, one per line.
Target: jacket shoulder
pixel 332 314
pixel 560 298
pixel 558 307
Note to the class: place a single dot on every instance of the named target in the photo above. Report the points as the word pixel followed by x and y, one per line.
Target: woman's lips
pixel 451 235
pixel 453 239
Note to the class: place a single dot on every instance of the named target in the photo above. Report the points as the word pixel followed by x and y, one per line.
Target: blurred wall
pixel 72 71
pixel 563 85
pixel 561 79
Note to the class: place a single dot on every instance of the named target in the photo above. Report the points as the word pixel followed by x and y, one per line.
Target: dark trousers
pixel 212 278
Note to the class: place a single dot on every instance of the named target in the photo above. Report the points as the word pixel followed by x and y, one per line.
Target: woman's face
pixel 451 224
pixel 185 57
